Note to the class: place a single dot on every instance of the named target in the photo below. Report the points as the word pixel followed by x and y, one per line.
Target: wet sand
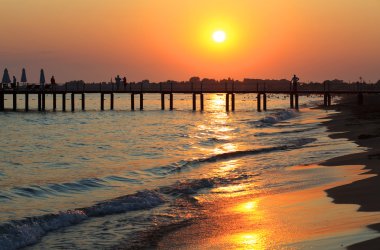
pixel 305 218
pixel 360 124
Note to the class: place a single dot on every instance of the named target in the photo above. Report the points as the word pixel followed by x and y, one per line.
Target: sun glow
pixel 219 36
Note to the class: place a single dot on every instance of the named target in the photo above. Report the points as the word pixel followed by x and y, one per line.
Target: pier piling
pixel 259 102
pixel 14 101
pixel 227 102
pixel 54 102
pixel 171 101
pixel 39 102
pixel 83 102
pixel 63 102
pixel 141 101
pixel 233 102
pixel 265 102
pixel 26 102
pixel 132 101
pixel 296 101
pixel 111 101
pixel 202 101
pixel 72 102
pixel 162 101
pixel 194 102
pixel 291 101
pixel 1 101
pixel 43 100
pixel 102 101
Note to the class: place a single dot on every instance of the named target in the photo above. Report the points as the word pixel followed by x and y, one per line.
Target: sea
pixel 106 179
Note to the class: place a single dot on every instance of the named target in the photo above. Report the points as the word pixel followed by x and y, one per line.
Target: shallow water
pixel 64 170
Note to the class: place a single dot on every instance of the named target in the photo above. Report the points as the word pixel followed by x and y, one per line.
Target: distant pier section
pixel 262 89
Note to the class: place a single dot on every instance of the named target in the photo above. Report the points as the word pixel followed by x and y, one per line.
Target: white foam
pixel 279 116
pixel 21 233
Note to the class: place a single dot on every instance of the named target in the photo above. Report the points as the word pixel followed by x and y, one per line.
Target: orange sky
pixel 94 40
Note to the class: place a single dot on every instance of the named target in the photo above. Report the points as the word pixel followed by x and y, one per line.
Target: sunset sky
pixel 158 40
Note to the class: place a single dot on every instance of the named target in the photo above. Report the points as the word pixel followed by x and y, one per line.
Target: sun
pixel 219 36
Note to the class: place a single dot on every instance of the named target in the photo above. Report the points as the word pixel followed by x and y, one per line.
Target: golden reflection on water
pixel 252 240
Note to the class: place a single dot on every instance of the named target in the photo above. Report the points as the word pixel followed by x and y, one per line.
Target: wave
pixel 56 189
pixel 181 165
pixel 279 116
pixel 285 132
pixel 20 233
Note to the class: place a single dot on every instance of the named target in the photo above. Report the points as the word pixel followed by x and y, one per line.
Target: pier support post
pixel 329 100
pixel 43 100
pixel 296 101
pixel 83 102
pixel 64 102
pixel 202 101
pixel 1 101
pixel 26 102
pixel 265 102
pixel 325 100
pixel 291 101
pixel 14 101
pixel 162 101
pixel 72 102
pixel 194 102
pixel 227 102
pixel 171 101
pixel 259 102
pixel 54 102
pixel 233 102
pixel 39 102
pixel 141 101
pixel 112 101
pixel 360 99
pixel 102 101
pixel 132 101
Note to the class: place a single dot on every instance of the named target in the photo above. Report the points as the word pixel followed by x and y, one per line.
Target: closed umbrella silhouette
pixel 42 79
pixel 23 76
pixel 6 79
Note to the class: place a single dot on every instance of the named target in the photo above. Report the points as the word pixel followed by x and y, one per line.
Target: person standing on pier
pixel 14 82
pixel 118 81
pixel 52 80
pixel 295 80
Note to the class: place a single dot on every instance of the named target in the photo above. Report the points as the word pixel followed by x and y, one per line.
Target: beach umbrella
pixel 42 77
pixel 6 78
pixel 23 76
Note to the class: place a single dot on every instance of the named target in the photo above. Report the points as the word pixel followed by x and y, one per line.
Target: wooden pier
pixel 138 89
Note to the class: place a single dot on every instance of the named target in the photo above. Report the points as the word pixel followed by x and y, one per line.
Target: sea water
pixel 92 179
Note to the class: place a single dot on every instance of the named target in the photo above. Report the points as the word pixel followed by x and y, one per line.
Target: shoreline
pixel 358 124
pixel 191 233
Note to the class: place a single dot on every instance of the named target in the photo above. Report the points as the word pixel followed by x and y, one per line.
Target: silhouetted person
pixel 52 80
pixel 125 81
pixel 118 81
pixel 295 80
pixel 14 82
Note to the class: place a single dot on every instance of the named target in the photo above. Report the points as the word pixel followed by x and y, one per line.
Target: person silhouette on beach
pixel 295 80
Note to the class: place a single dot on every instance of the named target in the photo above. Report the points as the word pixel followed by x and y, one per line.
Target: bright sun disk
pixel 219 36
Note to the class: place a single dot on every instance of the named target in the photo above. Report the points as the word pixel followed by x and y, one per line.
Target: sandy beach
pixel 338 215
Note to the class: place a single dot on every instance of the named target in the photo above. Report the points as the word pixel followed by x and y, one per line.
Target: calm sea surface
pixel 100 179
